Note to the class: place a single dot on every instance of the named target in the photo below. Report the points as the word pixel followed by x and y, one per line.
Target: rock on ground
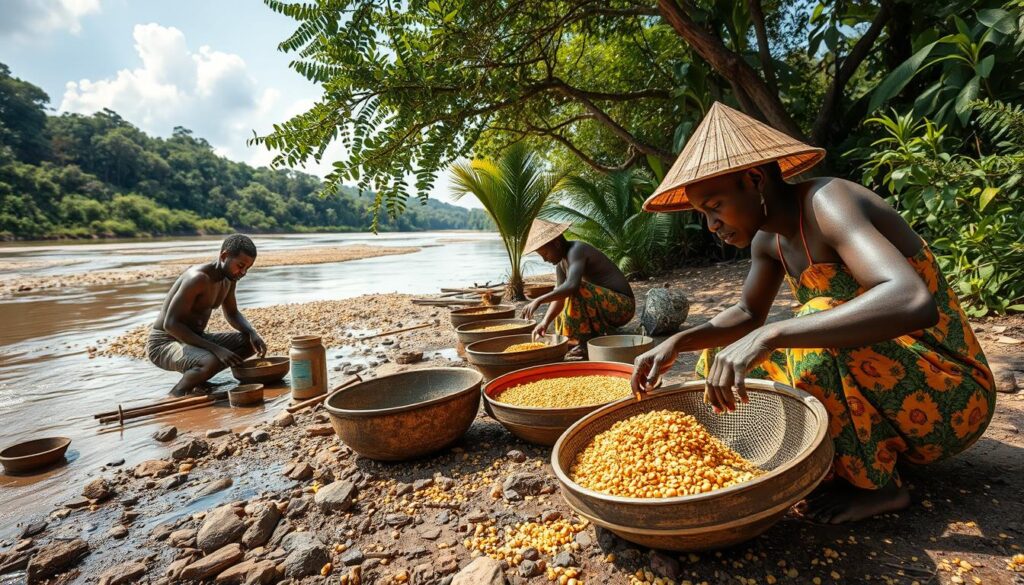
pixel 123 574
pixel 154 468
pixel 214 487
pixel 482 571
pixel 194 448
pixel 97 489
pixel 265 519
pixel 336 497
pixel 308 555
pixel 250 572
pixel 54 558
pixel 166 434
pixel 664 311
pixel 212 564
pixel 221 527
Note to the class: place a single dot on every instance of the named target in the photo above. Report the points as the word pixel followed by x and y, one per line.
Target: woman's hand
pixel 259 347
pixel 730 367
pixel 649 367
pixel 539 331
pixel 531 308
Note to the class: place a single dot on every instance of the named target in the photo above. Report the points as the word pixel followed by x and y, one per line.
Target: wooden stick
pixel 313 401
pixel 474 290
pixel 443 302
pixel 386 333
pixel 206 399
pixel 151 404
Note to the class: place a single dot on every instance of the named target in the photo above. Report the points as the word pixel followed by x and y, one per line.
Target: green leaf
pixel 986 197
pixel 899 77
pixel 998 19
pixel 817 12
pixel 656 167
pixel 968 94
pixel 984 67
pixel 1015 308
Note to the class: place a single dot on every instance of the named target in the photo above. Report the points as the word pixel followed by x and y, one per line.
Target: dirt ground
pixel 412 522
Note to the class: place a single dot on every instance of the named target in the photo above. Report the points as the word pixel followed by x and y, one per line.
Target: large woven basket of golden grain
pixel 783 431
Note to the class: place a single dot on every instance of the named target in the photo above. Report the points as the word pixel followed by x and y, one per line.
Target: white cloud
pixel 28 19
pixel 207 91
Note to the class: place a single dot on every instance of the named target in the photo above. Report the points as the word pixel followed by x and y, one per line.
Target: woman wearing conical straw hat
pixel 880 338
pixel 592 296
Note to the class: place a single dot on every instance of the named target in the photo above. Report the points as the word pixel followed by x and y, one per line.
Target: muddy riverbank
pixel 280 497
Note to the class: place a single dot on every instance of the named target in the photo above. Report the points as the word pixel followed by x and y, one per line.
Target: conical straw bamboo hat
pixel 728 141
pixel 542 232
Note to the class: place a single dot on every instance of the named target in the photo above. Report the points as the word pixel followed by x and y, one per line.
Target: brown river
pixel 49 386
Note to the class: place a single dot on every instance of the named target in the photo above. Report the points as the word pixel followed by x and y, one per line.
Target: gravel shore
pixel 18 281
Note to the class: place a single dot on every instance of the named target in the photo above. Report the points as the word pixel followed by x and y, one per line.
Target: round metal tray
pixel 249 373
pixel 490 358
pixel 469 314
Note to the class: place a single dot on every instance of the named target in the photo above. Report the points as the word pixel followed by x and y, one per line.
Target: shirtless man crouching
pixel 178 340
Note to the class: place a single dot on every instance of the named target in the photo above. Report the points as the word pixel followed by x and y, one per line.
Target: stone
pixel 584 539
pixel 522 484
pixel 307 559
pixel 423 573
pixel 118 531
pixel 402 489
pixel 319 430
pixel 162 531
pixel 80 502
pixel 55 558
pixel 32 528
pixel 220 528
pixel 169 483
pixel 422 484
pixel 193 448
pixel 664 311
pixel 430 533
pixel 529 568
pixel 550 516
pixel 664 565
pixel 183 537
pixel 259 436
pixel 215 433
pixel 447 563
pixel 352 556
pixel 123 574
pixel 98 490
pixel 214 487
pixel 284 419
pixel 482 571
pixel 409 357
pixel 301 472
pixel 516 455
pixel 1006 382
pixel 298 507
pixel 213 563
pixel 397 520
pixel 265 518
pixel 1006 340
pixel 166 434
pixel 336 497
pixel 530 554
pixel 445 483
pixel 563 559
pixel 154 468
pixel 250 572
pixel 116 463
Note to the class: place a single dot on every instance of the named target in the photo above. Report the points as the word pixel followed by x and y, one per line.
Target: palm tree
pixel 607 213
pixel 512 189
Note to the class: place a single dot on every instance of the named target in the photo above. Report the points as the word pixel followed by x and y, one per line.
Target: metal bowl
pixel 35 454
pixel 618 348
pixel 472 332
pixel 532 291
pixel 782 430
pixel 246 395
pixel 249 373
pixel 482 313
pixel 543 426
pixel 490 358
pixel 408 414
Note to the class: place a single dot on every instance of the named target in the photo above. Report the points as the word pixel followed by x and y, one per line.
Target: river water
pixel 50 387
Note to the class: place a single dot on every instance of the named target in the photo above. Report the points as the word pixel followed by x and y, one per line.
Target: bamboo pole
pixel 313 401
pixel 149 405
pixel 195 402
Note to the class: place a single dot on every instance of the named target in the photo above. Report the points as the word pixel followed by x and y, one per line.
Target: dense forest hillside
pixel 87 176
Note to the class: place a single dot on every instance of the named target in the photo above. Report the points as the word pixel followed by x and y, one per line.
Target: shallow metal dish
pixel 471 332
pixel 618 348
pixel 490 358
pixel 408 414
pixel 246 395
pixel 782 430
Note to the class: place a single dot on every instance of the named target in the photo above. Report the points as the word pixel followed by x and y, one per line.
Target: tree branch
pixel 730 66
pixel 763 51
pixel 860 51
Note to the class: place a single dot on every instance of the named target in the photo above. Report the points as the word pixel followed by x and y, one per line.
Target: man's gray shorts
pixel 170 354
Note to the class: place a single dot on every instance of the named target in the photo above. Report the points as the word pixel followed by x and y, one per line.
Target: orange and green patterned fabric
pixel 593 311
pixel 923 397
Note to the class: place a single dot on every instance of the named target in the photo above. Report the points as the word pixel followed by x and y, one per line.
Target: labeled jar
pixel 308 367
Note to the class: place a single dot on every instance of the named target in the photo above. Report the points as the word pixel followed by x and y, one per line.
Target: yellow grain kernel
pixel 528 346
pixel 567 392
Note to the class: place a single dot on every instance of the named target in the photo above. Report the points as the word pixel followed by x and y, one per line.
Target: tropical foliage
pixel 84 176
pixel 606 212
pixel 513 190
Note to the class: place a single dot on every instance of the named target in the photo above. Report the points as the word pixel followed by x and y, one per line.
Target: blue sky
pixel 211 66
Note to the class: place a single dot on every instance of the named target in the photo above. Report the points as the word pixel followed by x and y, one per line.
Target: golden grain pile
pixel 659 454
pixel 567 392
pixel 528 346
pixel 504 327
